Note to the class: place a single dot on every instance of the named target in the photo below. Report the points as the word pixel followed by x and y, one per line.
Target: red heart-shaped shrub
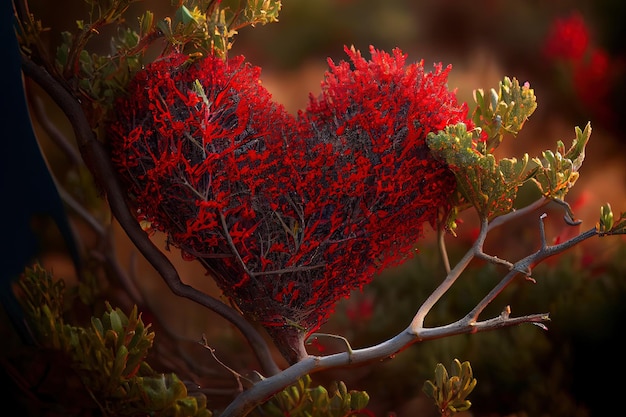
pixel 288 214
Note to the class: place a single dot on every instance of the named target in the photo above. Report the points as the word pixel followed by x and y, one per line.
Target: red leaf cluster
pixel 288 213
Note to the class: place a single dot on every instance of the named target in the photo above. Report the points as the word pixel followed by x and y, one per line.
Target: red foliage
pixel 289 214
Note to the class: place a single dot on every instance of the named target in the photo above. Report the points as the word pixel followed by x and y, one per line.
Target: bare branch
pixel 418 320
pixel 237 375
pixel 505 218
pixel 256 395
pixel 524 266
pixel 333 336
pixel 494 259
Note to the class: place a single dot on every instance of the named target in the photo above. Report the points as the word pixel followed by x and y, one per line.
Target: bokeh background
pixel 573 369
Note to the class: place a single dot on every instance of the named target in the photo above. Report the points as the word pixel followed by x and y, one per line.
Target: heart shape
pixel 288 213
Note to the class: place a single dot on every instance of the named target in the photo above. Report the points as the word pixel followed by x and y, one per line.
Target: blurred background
pixel 572 53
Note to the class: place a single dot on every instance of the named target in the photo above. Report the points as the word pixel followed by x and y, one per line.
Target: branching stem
pixel 505 218
pixel 98 161
pixel 453 275
pixel 249 399
pixel 524 266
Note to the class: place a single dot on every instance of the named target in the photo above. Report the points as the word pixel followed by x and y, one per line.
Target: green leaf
pixel 506 111
pixel 450 392
pixel 576 152
pixel 429 389
pixel 146 23
pixel 606 219
pixel 300 399
pixel 359 400
pixel 187 406
pixel 441 375
pixel 557 172
pixel 320 398
pixel 116 322
pixel 120 362
pixel 184 15
pixel 490 186
pixel 608 225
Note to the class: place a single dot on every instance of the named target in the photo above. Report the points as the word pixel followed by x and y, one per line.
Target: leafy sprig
pixel 450 391
pixel 608 225
pixel 109 356
pixel 483 182
pixel 197 27
pixel 209 27
pixel 557 172
pixel 504 111
pixel 489 184
pixel 301 400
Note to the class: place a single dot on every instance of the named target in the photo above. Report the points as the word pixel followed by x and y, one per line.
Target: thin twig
pixel 442 249
pixel 493 259
pixel 289 270
pixel 233 248
pixel 81 211
pixel 237 375
pixel 505 218
pixel 243 265
pixel 334 336
pixel 107 257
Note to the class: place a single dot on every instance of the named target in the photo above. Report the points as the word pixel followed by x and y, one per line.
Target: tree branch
pixel 505 218
pixel 525 265
pixel 255 396
pixel 97 160
pixel 453 275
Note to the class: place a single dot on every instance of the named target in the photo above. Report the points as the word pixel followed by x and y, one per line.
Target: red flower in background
pixel 590 72
pixel 361 310
pixel 592 83
pixel 288 214
pixel 568 38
